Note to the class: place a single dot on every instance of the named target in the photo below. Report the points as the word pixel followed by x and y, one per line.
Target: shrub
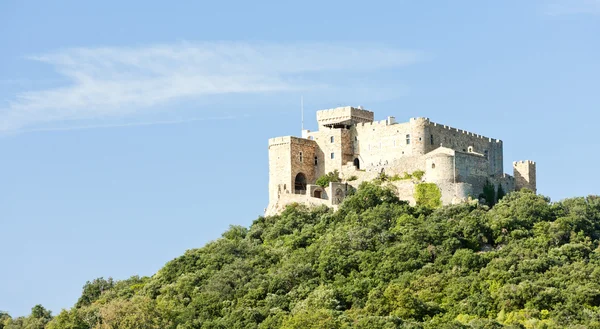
pixel 352 178
pixel 324 180
pixel 428 195
pixel 418 174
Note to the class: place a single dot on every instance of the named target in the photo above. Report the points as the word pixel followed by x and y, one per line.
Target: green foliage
pixel 500 193
pixel 352 178
pixel 428 195
pixel 418 174
pixel 93 290
pixel 38 319
pixel 489 193
pixel 324 180
pixel 375 263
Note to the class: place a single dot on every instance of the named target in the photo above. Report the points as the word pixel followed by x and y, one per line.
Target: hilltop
pixel 376 262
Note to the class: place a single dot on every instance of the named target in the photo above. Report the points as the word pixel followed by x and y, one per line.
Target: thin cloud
pixel 123 81
pixel 573 7
pixel 135 124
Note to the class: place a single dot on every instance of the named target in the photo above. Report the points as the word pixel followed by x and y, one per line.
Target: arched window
pixel 470 149
pixel 433 166
pixel 357 163
pixel 300 184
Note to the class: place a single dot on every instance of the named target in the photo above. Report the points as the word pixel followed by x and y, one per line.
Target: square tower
pixel 342 117
pixel 525 172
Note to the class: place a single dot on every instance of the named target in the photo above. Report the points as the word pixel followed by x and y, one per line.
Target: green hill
pixel 375 263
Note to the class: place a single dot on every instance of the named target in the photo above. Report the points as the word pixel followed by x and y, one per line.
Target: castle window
pixel 356 138
pixel 331 139
pixel 470 149
pixel 433 166
pixel 301 159
pixel 407 139
pixel 485 153
pixel 332 155
pixel 316 161
pixel 431 139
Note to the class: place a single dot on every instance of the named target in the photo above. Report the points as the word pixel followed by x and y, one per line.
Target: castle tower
pixel 419 137
pixel 525 175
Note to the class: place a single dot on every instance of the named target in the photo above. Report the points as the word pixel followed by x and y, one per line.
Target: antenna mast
pixel 302 110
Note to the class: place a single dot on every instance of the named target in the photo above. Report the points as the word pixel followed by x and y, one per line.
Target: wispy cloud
pixel 572 7
pixel 134 124
pixel 119 81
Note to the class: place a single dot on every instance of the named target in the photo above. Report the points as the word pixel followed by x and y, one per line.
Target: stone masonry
pixel 360 149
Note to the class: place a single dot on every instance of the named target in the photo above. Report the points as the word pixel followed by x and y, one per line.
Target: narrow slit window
pixel 407 139
pixel 316 161
pixel 331 139
pixel 431 138
pixel 301 158
pixel 333 155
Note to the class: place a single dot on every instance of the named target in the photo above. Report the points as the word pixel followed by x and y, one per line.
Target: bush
pixel 418 174
pixel 324 180
pixel 428 195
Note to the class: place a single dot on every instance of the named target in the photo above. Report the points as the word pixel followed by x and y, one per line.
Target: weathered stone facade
pixel 351 142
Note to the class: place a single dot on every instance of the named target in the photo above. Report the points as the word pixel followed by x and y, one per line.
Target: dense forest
pixel 375 263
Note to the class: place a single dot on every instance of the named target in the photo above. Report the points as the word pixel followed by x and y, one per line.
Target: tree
pixel 489 193
pixel 500 193
pixel 93 290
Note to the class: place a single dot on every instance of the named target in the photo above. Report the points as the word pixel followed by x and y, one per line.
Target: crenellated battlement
pixel 522 162
pixel 468 133
pixel 288 140
pixel 344 115
pixel 374 123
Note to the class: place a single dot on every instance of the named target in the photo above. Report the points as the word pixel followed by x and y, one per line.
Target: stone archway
pixel 357 163
pixel 300 184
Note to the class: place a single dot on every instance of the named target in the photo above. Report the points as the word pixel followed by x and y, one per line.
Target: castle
pixel 348 140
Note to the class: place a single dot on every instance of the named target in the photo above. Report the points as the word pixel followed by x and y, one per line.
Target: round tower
pixel 419 135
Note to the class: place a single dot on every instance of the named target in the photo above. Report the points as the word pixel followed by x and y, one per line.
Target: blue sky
pixel 132 131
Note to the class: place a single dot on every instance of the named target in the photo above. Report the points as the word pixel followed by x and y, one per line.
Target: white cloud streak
pixel 573 7
pixel 118 81
pixel 134 124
